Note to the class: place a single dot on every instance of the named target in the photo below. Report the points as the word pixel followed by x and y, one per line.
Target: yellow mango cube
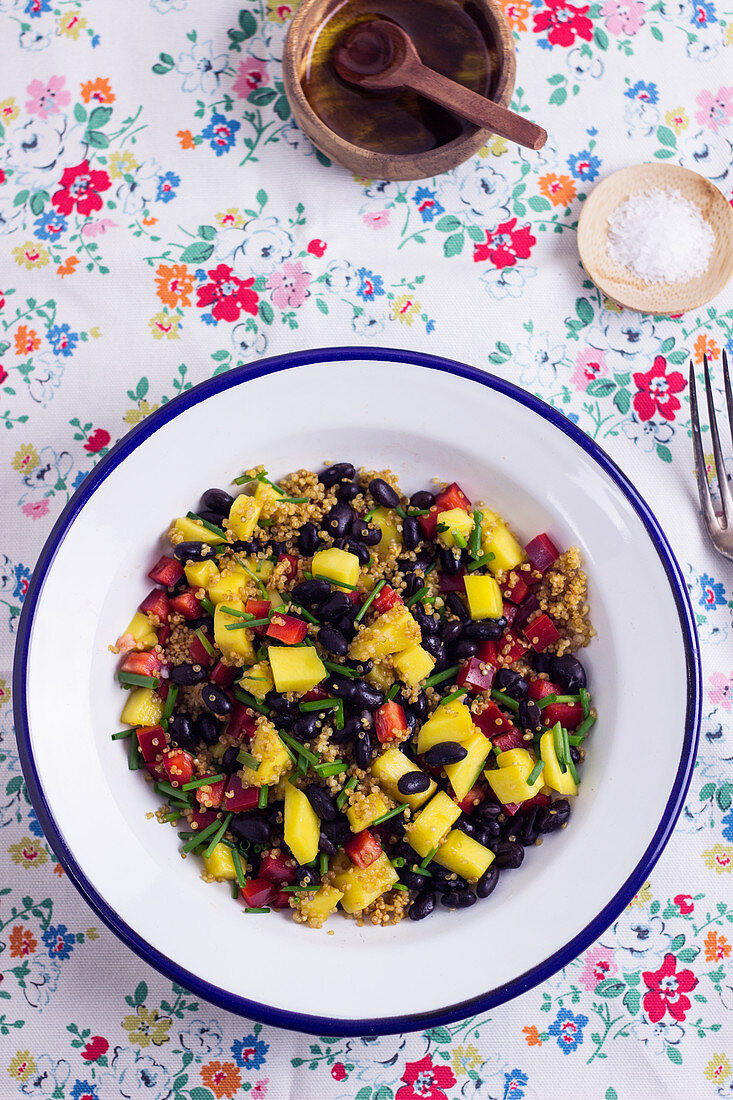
pixel 142 708
pixel 522 757
pixel 233 643
pixel 449 722
pixel 552 775
pixel 361 886
pixel 220 864
pixel 296 668
pixel 392 632
pixel 140 634
pixel 413 664
pixel 464 774
pixel 200 574
pixel 366 810
pixel 485 600
pixel 243 516
pixel 386 521
pixel 191 531
pixel 302 825
pixel 336 565
pixel 499 541
pixel 454 521
pixel 258 680
pixel 464 855
pixel 510 784
pixel 227 586
pixel 431 824
pixel 317 907
pixel 267 498
pixel 389 767
pixel 273 757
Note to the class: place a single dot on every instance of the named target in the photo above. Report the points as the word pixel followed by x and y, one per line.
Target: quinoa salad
pixel 355 701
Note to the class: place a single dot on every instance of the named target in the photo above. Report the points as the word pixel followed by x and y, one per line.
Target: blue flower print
pixel 82 1090
pixel 568 1029
pixel 584 165
pixel 220 133
pixel 427 204
pixel 209 319
pixel 370 285
pixel 50 225
pixel 96 39
pixel 63 340
pixel 36 8
pixel 22 573
pixel 645 93
pixel 514 1085
pixel 59 941
pixel 34 824
pixel 250 1052
pixel 727 823
pixel 712 593
pixel 167 185
pixel 78 479
pixel 200 275
pixel 703 13
pixel 430 326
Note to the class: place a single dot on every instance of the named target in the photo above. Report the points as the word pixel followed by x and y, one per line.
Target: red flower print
pixel 563 21
pixel 656 391
pixel 227 295
pixel 424 1081
pixel 3 374
pixel 338 1071
pixel 684 903
pixel 95 1048
pixel 98 439
pixel 80 187
pixel 666 990
pixel 505 245
pixel 316 247
pixel 3 177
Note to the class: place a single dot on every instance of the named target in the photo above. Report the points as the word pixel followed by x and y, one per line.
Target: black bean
pixel 209 516
pixel 487 833
pixel 463 649
pixel 447 752
pixel 284 708
pixel 575 755
pixel 181 731
pixel 466 825
pixel 325 844
pixel 451 632
pixel 422 499
pixel 541 662
pixel 361 550
pixel 455 604
pixel 208 729
pixel 454 900
pixel 245 546
pixel 511 683
pixel 411 720
pixel 363 749
pixel 307 877
pixel 306 727
pixel 312 592
pixel 528 831
pixel 347 490
pixel 550 818
pixel 429 624
pixel 337 605
pixel 229 762
pixel 383 493
pixel 413 584
pixel 333 640
pixel 338 520
pixel 216 500
pixel 486 629
pixel 450 563
pixel 422 906
pixel 273 811
pixel 361 531
pixel 340 471
pixel 250 827
pixel 412 879
pixel 216 699
pixel 509 854
pixel 529 715
pixel 338 831
pixel 322 803
pixel 420 707
pixel 445 880
pixel 308 540
pixel 366 696
pixel 433 645
pixel 569 674
pixel 192 551
pixel 488 811
pixel 411 533
pixel 275 547
pixel 340 686
pixel 345 626
pixel 413 783
pixel 422 561
pixel 524 611
pixel 487 883
pixel 187 675
pixel 351 727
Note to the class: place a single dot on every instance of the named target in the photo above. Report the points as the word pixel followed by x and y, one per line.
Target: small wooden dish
pixel 365 162
pixel 622 285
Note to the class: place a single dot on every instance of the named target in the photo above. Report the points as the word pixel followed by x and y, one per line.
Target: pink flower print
pixel 623 16
pixel 47 99
pixel 98 228
pixel 379 219
pixel 36 509
pixel 589 365
pixel 717 108
pixel 289 286
pixel 721 690
pixel 597 964
pixel 252 74
pixel 259 1092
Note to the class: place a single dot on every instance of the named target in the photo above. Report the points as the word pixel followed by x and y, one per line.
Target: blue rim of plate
pixel 324 1025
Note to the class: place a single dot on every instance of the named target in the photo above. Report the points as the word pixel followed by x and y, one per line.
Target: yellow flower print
pixel 677 119
pixel 710 468
pixel 25 458
pixel 718 1068
pixel 496 147
pixel 28 852
pixel 641 897
pixel 121 164
pixel 95 332
pixel 464 1058
pixel 31 255
pixel 728 37
pixel 719 858
pixel 8 109
pixel 147 1027
pixel 281 11
pixel 4 693
pixel 614 307
pixel 22 1066
pixel 165 325
pixel 231 218
pixel 134 416
pixel 405 309
pixel 72 24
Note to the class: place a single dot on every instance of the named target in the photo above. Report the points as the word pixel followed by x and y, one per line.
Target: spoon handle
pixel 476 108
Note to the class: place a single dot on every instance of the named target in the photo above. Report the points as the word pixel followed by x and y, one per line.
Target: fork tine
pixel 725 494
pixel 728 392
pixel 706 503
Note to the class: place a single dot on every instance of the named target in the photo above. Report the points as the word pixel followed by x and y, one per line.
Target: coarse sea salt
pixel 660 236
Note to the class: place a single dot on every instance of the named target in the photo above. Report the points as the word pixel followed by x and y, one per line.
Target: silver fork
pixel 720 531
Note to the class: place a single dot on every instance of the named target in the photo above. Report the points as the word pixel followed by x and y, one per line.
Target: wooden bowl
pixel 365 162
pixel 622 285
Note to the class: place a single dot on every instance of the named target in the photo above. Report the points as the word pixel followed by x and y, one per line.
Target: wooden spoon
pixel 378 54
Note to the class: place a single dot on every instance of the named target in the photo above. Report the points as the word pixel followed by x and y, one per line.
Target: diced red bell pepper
pixel 511 647
pixel 542 552
pixel 153 741
pixel 363 849
pixel 287 629
pixel 186 604
pixel 164 633
pixel 211 794
pixel 452 497
pixel 514 587
pixel 356 598
pixel 156 603
pixel 509 612
pixel 541 633
pixel 538 689
pixel 156 768
pixel 292 566
pixel 280 870
pixel 453 582
pixel 260 609
pixel 223 675
pixel 281 900
pixel 513 739
pixel 474 798
pixel 385 599
pixel 390 723
pixel 257 893
pixel 166 571
pixel 569 715
pixel 242 723
pixel 198 653
pixel 179 766
pixel 429 523
pixel 512 808
pixel 239 798
pixel 142 664
pixel 162 689
pixel 314 694
pixel 201 819
pixel 487 652
pixel 493 721
pixel 476 675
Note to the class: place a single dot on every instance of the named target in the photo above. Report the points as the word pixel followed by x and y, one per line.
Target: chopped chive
pixel 417 869
pixel 506 700
pixel 535 773
pixel 168 791
pixel 319 704
pixel 428 857
pixel 559 745
pixel 293 500
pixel 134 680
pixel 399 886
pixel 339 712
pixel 291 754
pixel 567 698
pixel 390 813
pixel 248 759
pixel 393 691
pixel 584 727
pixel 205 781
pixel 250 701
pixel 480 562
pixel 547 700
pixel 349 786
pixel 368 515
pixel 254 576
pixel 244 478
pixel 369 600
pixel 205 523
pixel 323 863
pixel 235 890
pixel 294 889
pixel 430 568
pixel 244 626
pixel 305 613
pixel 453 695
pixel 238 868
pixel 262 800
pixel 397 862
pixel 585 700
pixel 122 735
pixel 566 746
pixel 258 909
pixel 170 701
pixel 335 768
pixel 134 760
pixel 344 670
pixel 232 611
pixel 203 835
pixel 339 584
pixel 401 512
pixel 207 606
pixel 573 772
pixel 172 816
pixel 415 512
pixel 417 596
pixel 459 539
pixel 218 835
pixel 442 528
pixel 301 750
pixel 439 677
pixel 474 542
pixel 302 769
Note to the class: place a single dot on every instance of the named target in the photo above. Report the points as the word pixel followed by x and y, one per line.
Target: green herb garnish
pixel 349 786
pixel 132 679
pixel 505 700
pixel 369 600
pixel 535 773
pixel 249 700
pixel 339 584
pixel 439 677
pixel 122 735
pixel 480 562
pixel 474 542
pixel 197 837
pixel 453 695
pixel 205 523
pixel 218 835
pixel 248 760
pixel 204 781
pixel 417 596
pixel 390 813
pixel 263 797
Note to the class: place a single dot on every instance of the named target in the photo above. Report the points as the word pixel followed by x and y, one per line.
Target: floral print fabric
pixel 162 219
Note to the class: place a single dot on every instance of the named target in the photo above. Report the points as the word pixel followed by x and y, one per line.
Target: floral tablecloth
pixel 161 220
